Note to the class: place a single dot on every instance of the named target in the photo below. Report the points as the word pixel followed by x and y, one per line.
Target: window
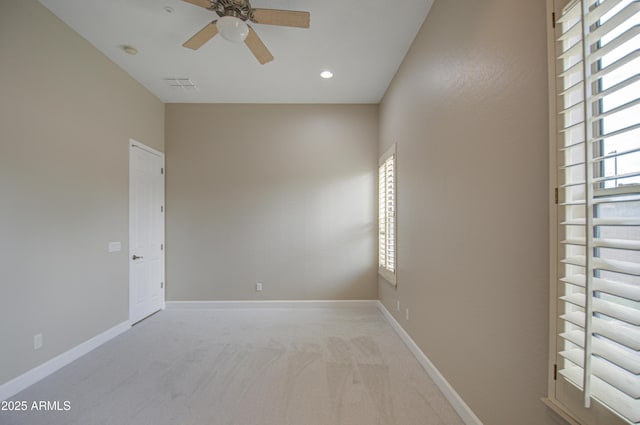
pixel 387 215
pixel 597 313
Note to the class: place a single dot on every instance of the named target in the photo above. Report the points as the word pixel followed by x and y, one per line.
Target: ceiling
pixel 362 42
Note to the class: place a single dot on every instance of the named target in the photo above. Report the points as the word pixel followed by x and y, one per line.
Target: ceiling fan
pixel 232 24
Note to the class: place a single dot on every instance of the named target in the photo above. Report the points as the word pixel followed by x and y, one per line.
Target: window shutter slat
pixel 619 154
pixel 624 335
pixel 601 10
pixel 615 88
pixel 614 22
pixel 619 289
pixel 623 357
pixel 617 266
pixel 610 396
pixel 617 65
pixel 621 379
pixel 620 312
pixel 606 243
pixel 622 39
pixel 617 221
pixel 611 287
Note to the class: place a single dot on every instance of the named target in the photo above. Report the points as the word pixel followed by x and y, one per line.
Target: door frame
pixel 134 144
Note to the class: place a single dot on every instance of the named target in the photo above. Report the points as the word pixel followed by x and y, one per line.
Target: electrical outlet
pixel 37 341
pixel 398 305
pixel 258 287
pixel 407 314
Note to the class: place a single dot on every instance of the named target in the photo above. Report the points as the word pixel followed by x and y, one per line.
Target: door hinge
pixel 555 372
pixel 553 19
pixel 161 208
pixel 556 195
pixel 162 171
pixel 161 285
pixel 161 246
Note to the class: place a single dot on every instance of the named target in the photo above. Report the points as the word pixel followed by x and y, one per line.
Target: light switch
pixel 115 246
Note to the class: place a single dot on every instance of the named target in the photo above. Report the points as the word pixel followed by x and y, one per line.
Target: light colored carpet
pixel 267 366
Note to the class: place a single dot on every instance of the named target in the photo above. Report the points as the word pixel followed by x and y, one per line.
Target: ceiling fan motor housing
pixel 239 8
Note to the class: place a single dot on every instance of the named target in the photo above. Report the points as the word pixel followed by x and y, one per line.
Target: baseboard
pixel 458 404
pixel 200 305
pixel 34 375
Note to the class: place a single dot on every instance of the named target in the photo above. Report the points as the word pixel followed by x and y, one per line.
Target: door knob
pixel 135 257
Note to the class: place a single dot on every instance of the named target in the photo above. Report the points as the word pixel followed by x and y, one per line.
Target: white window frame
pixel 387 267
pixel 572 403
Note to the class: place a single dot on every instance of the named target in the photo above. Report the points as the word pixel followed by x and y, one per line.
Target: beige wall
pixel 284 195
pixel 468 111
pixel 66 115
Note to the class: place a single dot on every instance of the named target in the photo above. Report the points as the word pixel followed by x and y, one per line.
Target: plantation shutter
pixel 598 200
pixel 387 217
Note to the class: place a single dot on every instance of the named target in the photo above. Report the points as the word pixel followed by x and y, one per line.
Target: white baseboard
pixel 458 404
pixel 199 305
pixel 13 387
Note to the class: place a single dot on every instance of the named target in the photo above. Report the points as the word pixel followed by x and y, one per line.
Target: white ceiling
pixel 362 41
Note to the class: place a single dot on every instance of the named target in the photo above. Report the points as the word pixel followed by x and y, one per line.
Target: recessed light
pixel 326 74
pixel 130 50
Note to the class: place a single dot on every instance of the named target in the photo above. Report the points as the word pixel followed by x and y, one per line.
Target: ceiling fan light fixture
pixel 232 29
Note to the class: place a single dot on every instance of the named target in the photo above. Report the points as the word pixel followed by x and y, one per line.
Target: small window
pixel 387 215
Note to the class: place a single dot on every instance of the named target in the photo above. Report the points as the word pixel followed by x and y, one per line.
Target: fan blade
pixel 202 36
pixel 257 47
pixel 285 18
pixel 202 3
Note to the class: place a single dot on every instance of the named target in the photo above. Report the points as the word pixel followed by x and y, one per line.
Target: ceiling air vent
pixel 184 84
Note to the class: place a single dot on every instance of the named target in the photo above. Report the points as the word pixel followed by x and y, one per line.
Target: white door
pixel 146 231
